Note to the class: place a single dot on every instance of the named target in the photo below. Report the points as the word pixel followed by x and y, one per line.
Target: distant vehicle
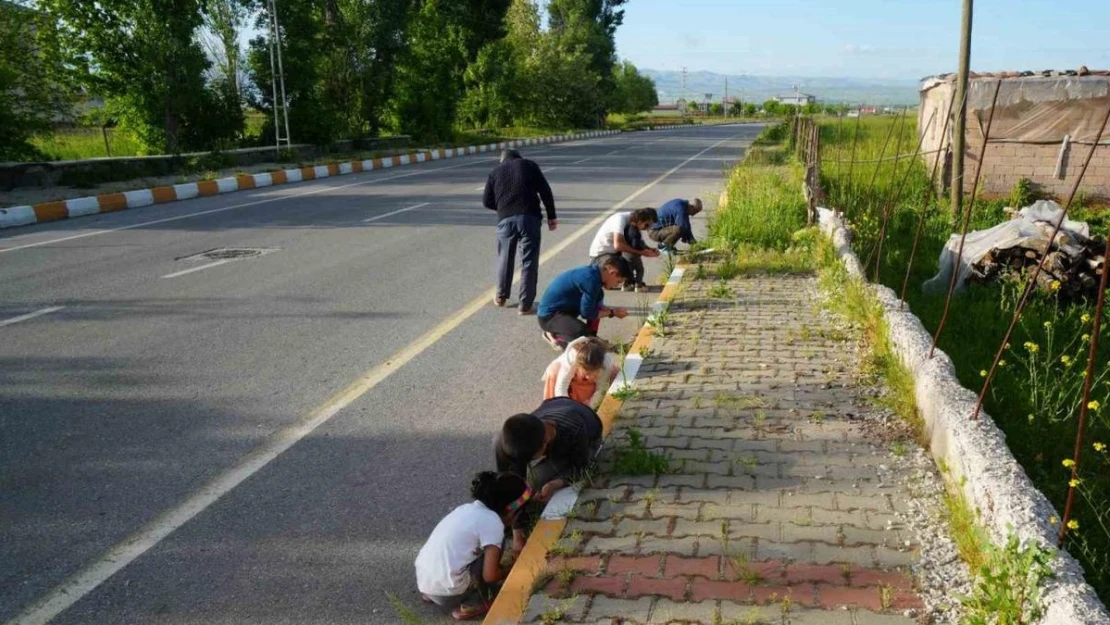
pixel 853 113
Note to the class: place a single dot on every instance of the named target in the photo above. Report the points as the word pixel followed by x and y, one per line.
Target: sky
pixel 862 38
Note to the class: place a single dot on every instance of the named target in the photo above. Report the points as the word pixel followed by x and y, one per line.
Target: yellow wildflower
pixel 1093 405
pixel 1007 346
pixel 1085 338
pixel 1032 347
pixel 1099 446
pixel 1073 524
pixel 1068 462
pixel 1085 318
pixel 1055 285
pixel 983 373
pixel 1065 359
pixel 1053 519
pixel 1073 483
pixel 1001 363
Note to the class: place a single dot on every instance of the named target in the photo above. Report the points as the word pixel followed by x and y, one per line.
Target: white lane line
pixel 125 552
pixel 581 161
pixel 366 221
pixel 546 171
pixel 32 315
pixel 209 265
pixel 242 205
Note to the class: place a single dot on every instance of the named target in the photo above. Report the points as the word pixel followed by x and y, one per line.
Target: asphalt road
pixel 270 440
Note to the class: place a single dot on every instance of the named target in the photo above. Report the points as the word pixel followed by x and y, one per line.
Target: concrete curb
pixel 79 207
pixel 509 606
pixel 975 451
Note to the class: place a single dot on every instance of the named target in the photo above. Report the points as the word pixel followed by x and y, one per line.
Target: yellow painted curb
pixel 509 606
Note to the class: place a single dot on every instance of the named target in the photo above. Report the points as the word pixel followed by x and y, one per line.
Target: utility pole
pixel 277 73
pixel 959 125
pixel 725 101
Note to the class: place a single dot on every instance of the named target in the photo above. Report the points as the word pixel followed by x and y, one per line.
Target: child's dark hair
pixel 617 262
pixel 521 437
pixel 590 354
pixel 497 490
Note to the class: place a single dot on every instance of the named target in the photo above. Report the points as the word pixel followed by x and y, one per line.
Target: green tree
pixel 772 107
pixel 634 92
pixel 693 106
pixel 736 109
pixel 145 57
pixel 492 88
pixel 811 108
pixel 716 109
pixel 35 87
pixel 749 109
pixel 590 25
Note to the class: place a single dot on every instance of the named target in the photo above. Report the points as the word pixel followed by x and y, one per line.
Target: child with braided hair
pixel 459 567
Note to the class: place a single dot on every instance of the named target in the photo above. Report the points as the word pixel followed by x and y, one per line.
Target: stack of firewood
pixel 1072 269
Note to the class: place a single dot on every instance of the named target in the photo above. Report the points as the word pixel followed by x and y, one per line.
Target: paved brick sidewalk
pixel 780 509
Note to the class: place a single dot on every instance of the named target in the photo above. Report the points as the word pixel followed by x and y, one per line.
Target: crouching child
pixel 459 567
pixel 550 447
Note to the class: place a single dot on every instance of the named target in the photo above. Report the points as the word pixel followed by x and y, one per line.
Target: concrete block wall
pixel 1006 163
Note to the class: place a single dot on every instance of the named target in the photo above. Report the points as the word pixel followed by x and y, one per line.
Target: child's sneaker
pixel 470 612
pixel 641 287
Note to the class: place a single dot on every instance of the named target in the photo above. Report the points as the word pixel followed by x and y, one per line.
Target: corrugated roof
pixel 1047 73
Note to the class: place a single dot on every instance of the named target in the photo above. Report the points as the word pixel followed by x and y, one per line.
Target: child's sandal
pixel 470 612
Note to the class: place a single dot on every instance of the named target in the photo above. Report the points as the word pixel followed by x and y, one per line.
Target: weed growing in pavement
pixel 567 545
pixel 898 448
pixel 737 402
pixel 721 291
pixel 404 612
pixel 636 459
pixel 700 273
pixel 625 393
pixel 1007 588
pixel 886 596
pixel 658 321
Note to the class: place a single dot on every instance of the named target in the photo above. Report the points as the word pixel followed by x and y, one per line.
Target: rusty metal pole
pixel 930 192
pixel 1040 267
pixel 967 222
pixel 1092 354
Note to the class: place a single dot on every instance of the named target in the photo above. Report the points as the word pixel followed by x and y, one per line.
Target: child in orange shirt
pixel 583 372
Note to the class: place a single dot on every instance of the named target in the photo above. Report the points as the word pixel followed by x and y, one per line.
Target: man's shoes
pixel 666 249
pixel 526 310
pixel 470 612
pixel 554 342
pixel 499 302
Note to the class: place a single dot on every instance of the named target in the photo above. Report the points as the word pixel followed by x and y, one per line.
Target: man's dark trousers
pixel 523 230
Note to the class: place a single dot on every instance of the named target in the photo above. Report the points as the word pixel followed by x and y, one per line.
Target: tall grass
pixel 1036 394
pixel 765 207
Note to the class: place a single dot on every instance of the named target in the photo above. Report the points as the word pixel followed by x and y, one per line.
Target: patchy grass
pixel 636 459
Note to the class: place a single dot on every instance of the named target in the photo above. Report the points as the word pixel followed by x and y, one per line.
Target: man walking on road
pixel 514 189
pixel 673 223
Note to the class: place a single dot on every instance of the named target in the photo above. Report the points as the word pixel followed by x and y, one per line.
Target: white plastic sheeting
pixel 1030 228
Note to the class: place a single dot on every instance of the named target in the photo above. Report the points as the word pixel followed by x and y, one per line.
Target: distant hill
pixel 759 88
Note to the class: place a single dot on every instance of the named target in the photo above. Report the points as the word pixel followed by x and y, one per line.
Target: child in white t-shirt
pixel 459 567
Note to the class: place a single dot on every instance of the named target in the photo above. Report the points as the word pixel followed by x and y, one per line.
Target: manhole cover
pixel 230 253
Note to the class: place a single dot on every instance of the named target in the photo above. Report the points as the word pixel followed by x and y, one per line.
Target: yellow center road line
pixel 97 572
